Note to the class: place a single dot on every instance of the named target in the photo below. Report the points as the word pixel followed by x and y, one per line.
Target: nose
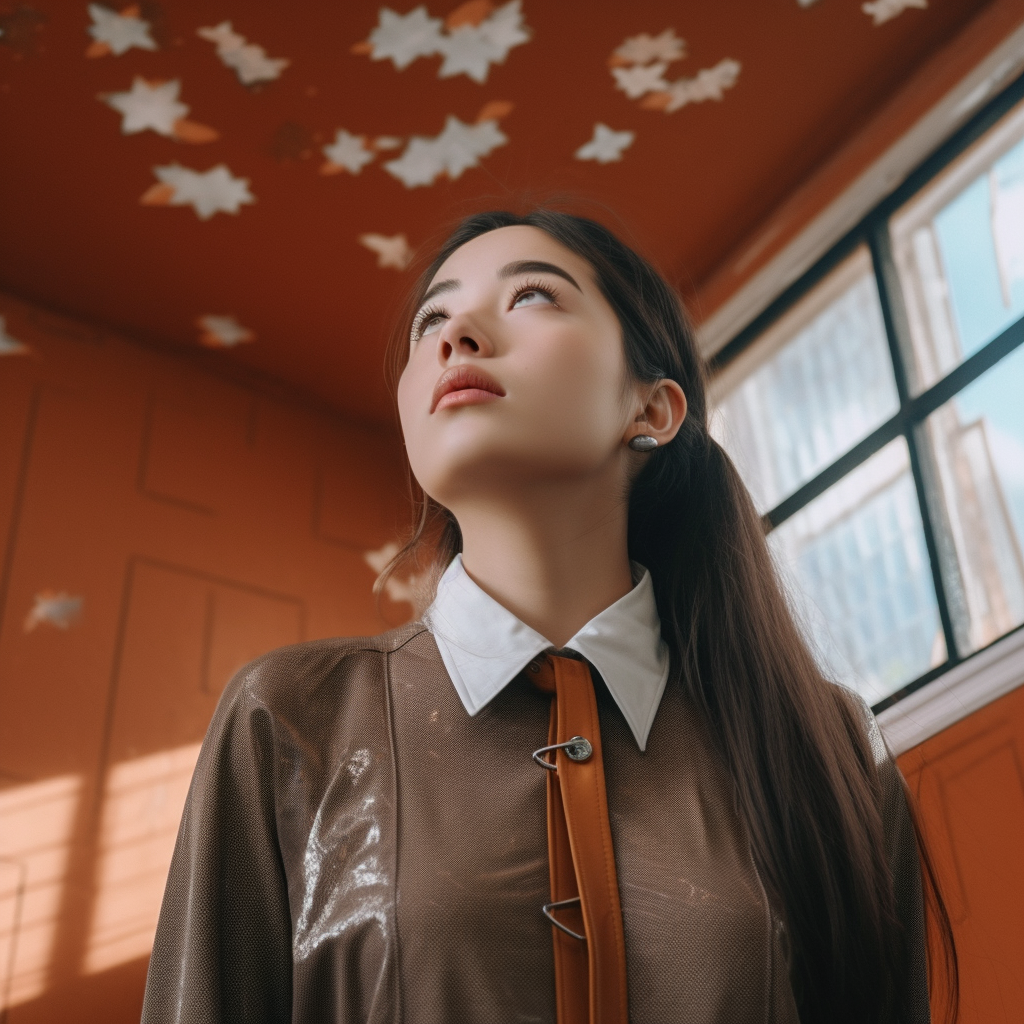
pixel 460 335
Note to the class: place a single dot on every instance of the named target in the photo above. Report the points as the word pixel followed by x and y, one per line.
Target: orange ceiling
pixel 289 266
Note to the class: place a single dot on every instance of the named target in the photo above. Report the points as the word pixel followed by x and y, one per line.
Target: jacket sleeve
pixel 905 864
pixel 223 943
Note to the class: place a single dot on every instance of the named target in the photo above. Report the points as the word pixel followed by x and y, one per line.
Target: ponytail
pixel 802 768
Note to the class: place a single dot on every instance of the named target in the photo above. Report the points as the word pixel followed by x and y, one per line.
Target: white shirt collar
pixel 484 646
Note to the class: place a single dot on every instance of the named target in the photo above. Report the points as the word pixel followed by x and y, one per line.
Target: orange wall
pixel 969 782
pixel 201 523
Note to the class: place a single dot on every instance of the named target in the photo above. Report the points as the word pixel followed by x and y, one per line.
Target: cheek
pixel 415 386
pixel 581 376
pixel 410 393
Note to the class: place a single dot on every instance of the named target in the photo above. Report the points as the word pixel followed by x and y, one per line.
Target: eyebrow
pixel 513 269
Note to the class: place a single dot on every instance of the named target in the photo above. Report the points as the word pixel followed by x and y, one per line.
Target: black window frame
pixel 872 232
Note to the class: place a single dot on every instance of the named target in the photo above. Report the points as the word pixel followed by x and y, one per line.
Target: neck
pixel 554 554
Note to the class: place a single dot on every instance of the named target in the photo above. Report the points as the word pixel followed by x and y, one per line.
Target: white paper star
pixel 458 147
pixel 378 559
pixel 882 11
pixel 207 191
pixel 118 31
pixel 472 49
pixel 396 589
pixel 462 145
pixel 606 145
pixel 348 152
pixel 643 48
pixel 392 250
pixel 10 346
pixel 249 61
pixel 60 610
pixel 222 331
pixel 404 37
pixel 639 79
pixel 148 106
pixel 709 84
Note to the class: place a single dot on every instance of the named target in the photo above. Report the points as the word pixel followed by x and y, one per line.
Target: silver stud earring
pixel 643 443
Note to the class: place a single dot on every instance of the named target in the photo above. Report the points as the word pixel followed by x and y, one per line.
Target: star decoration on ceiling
pixel 58 609
pixel 155 106
pixel 472 38
pixel 222 331
pixel 403 37
pixel 641 79
pixel 10 346
pixel 882 11
pixel 249 61
pixel 458 147
pixel 395 588
pixel 117 33
pixel 709 84
pixel 642 49
pixel 471 49
pixel 347 153
pixel 606 145
pixel 392 250
pixel 207 192
pixel 640 63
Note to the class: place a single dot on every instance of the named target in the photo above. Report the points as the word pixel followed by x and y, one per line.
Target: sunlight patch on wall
pixel 142 807
pixel 35 833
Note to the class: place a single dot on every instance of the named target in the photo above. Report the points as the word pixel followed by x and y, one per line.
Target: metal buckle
pixel 578 749
pixel 548 907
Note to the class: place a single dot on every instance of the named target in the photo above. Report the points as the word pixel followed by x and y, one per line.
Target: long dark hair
pixel 802 768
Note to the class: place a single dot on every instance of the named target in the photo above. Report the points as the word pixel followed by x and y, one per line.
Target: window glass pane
pixel 974 449
pixel 959 250
pixel 817 382
pixel 860 580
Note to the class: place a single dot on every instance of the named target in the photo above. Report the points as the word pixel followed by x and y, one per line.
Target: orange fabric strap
pixel 590 976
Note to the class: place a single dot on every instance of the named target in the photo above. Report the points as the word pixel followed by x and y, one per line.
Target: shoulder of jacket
pixel 862 710
pixel 303 667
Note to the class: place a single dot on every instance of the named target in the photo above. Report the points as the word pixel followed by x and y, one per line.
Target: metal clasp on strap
pixel 557 905
pixel 577 749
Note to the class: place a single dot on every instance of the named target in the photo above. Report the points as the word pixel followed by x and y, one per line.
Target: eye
pixel 533 294
pixel 428 321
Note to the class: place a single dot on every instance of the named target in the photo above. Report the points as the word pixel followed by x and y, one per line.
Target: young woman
pixel 602 779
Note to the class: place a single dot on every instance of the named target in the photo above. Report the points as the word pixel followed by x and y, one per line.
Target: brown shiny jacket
pixel 357 848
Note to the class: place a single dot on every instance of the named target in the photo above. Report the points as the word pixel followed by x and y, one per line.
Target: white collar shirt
pixel 484 646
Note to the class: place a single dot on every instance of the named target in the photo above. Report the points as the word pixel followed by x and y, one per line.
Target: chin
pixel 476 468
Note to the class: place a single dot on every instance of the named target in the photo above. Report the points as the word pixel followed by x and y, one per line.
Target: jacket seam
pixel 390 710
pixel 412 636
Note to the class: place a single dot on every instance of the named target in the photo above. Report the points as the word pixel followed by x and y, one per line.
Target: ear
pixel 662 414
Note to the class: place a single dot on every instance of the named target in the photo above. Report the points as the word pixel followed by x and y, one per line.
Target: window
pixel 876 412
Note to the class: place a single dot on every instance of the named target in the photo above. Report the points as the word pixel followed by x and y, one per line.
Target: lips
pixel 464 378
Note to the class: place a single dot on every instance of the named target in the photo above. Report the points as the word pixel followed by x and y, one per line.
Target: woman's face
pixel 516 370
